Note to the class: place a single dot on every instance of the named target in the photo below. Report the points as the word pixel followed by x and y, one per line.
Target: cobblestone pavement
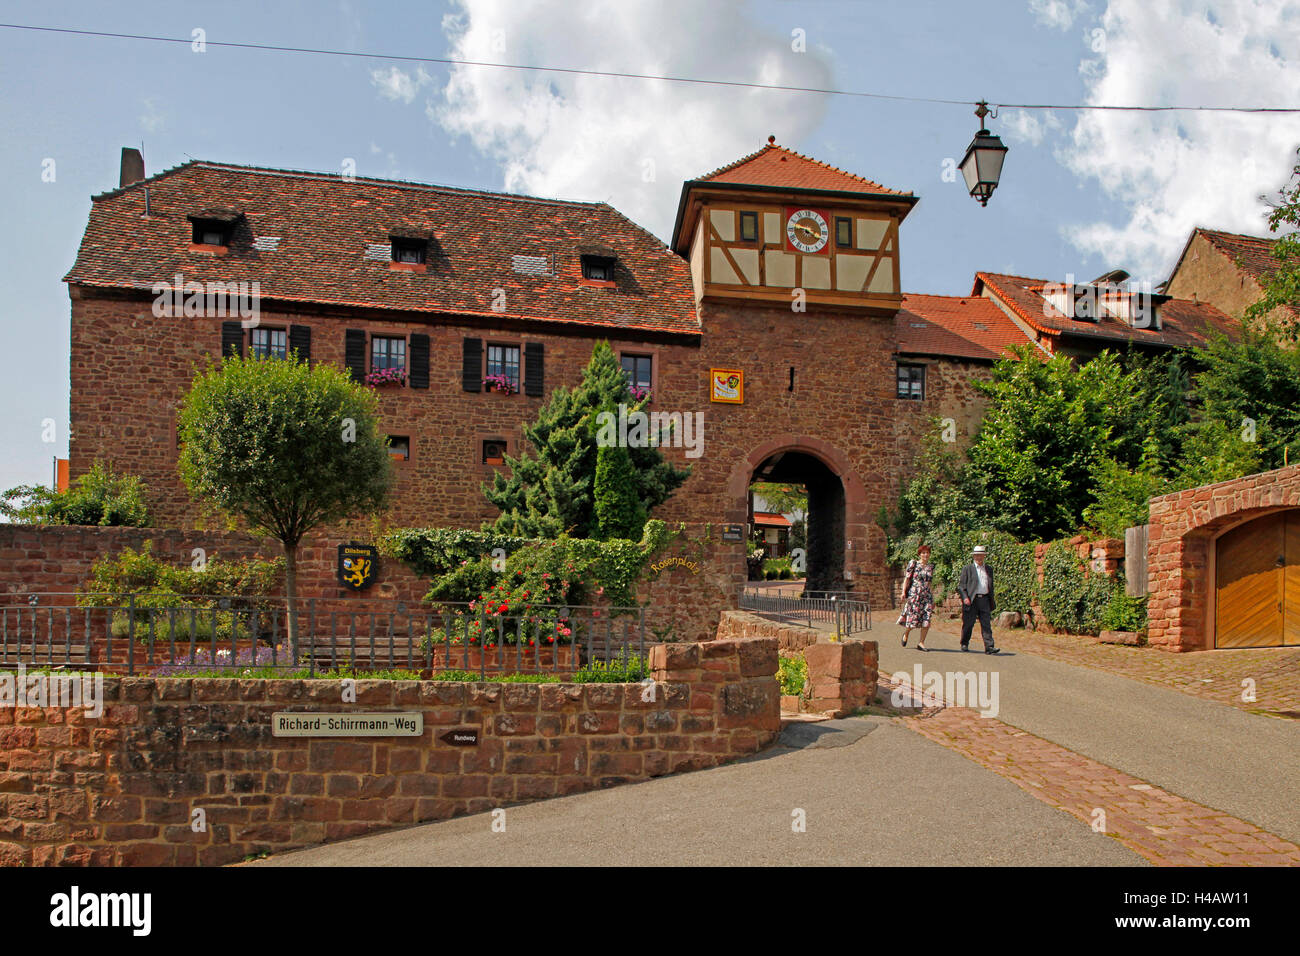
pixel 1164 828
pixel 1214 675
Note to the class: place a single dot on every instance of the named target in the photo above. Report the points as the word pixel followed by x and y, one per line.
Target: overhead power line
pixel 452 61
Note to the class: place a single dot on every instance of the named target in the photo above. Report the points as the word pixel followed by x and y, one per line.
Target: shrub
pixel 522 573
pixel 1073 601
pixel 471 676
pixel 99 497
pixel 1125 613
pixel 1015 575
pixel 627 671
pixel 792 673
pixel 221 595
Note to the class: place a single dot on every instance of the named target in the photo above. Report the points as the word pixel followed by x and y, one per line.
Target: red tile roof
pixel 771 520
pixel 777 166
pixel 1253 253
pixel 325 224
pixel 956 326
pixel 1182 323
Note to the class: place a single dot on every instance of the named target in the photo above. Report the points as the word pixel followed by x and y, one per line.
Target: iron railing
pixel 849 612
pixel 171 634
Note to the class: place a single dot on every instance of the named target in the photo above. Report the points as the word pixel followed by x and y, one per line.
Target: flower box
pixel 500 384
pixel 385 377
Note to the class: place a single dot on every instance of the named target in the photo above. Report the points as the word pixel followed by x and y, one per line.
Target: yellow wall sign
pixel 727 385
pixel 666 563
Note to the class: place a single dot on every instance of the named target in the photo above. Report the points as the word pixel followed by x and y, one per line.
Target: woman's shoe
pixel 922 647
pixel 904 640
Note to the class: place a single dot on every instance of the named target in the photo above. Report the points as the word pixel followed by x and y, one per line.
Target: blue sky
pixel 1082 193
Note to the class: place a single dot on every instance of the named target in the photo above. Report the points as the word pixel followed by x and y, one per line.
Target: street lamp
pixel 982 165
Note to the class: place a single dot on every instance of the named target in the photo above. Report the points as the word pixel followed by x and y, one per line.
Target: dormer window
pixel 410 250
pixel 211 232
pixel 213 227
pixel 598 268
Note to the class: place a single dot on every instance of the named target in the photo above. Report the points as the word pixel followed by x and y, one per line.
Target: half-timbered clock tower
pixel 795 270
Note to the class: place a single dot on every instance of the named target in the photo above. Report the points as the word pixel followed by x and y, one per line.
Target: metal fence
pixel 170 635
pixel 849 612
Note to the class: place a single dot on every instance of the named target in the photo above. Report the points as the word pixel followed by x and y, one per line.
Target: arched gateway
pixel 837 519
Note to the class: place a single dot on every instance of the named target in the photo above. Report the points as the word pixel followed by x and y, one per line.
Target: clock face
pixel 807 230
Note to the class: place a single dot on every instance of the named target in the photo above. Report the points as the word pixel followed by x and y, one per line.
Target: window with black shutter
pixel 471 375
pixel 418 377
pixel 534 369
pixel 354 353
pixel 300 341
pixel 232 339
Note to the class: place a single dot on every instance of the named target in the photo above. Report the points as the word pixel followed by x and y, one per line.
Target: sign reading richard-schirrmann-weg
pixel 407 724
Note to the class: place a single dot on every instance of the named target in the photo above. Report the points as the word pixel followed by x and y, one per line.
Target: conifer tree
pixel 551 489
pixel 619 512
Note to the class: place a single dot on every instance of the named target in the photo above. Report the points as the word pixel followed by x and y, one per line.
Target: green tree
pixel 551 491
pixel 619 512
pixel 1047 427
pixel 99 497
pixel 1247 407
pixel 781 497
pixel 1282 287
pixel 285 446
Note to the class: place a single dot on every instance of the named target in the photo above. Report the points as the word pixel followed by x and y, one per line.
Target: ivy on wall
pixel 470 566
pixel 1072 600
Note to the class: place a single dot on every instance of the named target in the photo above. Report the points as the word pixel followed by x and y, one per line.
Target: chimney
pixel 132 166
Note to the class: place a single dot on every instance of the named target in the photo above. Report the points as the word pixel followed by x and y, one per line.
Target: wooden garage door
pixel 1257 582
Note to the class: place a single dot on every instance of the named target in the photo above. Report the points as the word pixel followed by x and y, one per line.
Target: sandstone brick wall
pixel 1183 529
pixel 59 559
pixel 841 674
pixel 129 370
pixel 735 625
pixel 120 790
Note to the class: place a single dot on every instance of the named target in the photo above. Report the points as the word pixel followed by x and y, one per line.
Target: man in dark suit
pixel 976 589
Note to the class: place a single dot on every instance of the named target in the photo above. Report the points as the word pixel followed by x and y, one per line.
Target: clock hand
pixel 808 230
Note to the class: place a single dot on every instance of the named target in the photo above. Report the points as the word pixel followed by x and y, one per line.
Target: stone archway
pixel 1182 549
pixel 837 519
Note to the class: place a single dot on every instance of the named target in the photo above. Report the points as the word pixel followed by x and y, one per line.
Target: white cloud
pixel 1173 171
pixel 397 84
pixel 602 138
pixel 1029 127
pixel 1058 14
pixel 152 118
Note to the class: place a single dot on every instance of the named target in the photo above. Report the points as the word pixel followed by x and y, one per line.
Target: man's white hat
pixel 979 549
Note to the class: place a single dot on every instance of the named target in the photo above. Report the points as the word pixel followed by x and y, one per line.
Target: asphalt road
pixel 1244 764
pixel 873 793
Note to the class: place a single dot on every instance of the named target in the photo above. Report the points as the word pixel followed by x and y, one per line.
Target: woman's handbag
pixel 907 586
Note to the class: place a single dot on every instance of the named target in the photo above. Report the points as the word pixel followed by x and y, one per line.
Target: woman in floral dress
pixel 918 599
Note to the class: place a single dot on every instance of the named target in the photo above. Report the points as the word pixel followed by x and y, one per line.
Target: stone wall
pixel 1183 530
pixel 841 674
pixel 820 382
pixel 121 790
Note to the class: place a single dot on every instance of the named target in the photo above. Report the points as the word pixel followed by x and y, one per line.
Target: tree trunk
pixel 291 595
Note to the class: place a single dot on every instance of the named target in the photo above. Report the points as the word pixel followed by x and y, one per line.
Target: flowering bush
pixel 500 383
pixel 386 376
pixel 639 391
pixel 204 662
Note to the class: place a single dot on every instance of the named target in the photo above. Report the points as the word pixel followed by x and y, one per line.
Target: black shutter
pixel 471 375
pixel 232 339
pixel 534 368
pixel 419 376
pixel 300 341
pixel 354 353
